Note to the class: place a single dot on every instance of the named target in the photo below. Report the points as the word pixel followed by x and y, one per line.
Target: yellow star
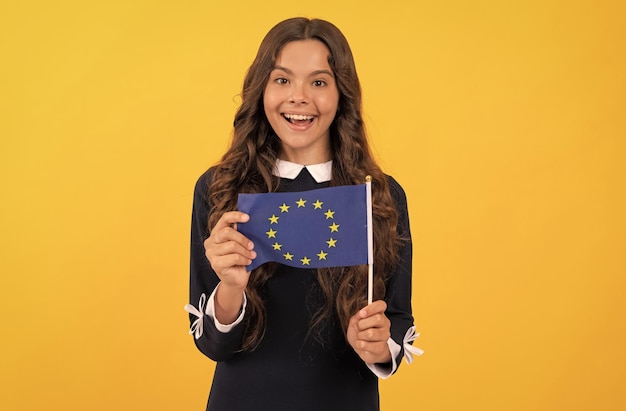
pixel 271 233
pixel 277 246
pixel 331 243
pixel 305 261
pixel 329 214
pixel 273 219
pixel 334 228
pixel 288 256
pixel 300 202
pixel 317 205
pixel 322 255
pixel 284 208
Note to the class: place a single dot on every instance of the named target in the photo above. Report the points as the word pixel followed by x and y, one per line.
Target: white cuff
pixel 210 311
pixel 197 326
pixel 385 372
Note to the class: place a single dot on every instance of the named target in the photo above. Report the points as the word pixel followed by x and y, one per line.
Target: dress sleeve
pixel 398 296
pixel 212 342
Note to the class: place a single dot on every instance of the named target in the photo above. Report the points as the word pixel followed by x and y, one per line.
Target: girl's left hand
pixel 368 332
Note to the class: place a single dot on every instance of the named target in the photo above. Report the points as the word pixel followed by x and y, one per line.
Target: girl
pixel 287 338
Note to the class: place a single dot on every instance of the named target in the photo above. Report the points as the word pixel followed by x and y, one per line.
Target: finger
pixel 378 320
pixel 236 251
pixel 225 235
pixel 378 306
pixel 373 347
pixel 222 263
pixel 373 312
pixel 229 255
pixel 230 219
pixel 374 352
pixel 229 247
pixel 373 335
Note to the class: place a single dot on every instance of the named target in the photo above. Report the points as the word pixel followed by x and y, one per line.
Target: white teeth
pixel 298 117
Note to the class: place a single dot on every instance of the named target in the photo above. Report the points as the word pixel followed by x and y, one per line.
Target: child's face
pixel 300 101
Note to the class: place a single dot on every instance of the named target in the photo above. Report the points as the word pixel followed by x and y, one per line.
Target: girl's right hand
pixel 229 252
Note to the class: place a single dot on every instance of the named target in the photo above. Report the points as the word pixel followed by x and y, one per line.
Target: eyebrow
pixel 312 74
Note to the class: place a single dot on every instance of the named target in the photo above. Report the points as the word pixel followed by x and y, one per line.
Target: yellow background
pixel 504 122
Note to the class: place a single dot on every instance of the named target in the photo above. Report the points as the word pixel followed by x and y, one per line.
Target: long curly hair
pixel 247 167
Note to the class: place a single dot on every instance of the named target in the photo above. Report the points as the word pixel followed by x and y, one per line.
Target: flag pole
pixel 370 240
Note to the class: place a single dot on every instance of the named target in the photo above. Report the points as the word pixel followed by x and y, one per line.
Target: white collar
pixel 320 172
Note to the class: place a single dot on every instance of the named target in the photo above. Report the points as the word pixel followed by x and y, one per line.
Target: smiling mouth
pixel 298 118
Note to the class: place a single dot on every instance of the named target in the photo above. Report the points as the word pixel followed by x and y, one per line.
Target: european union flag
pixel 310 229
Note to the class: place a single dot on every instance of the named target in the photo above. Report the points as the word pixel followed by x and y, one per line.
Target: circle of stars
pixel 302 203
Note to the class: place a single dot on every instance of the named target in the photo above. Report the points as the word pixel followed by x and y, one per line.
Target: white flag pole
pixel 370 240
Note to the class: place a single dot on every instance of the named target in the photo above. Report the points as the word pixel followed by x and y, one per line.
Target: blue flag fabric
pixel 309 229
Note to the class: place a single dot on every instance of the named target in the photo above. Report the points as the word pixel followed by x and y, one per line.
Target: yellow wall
pixel 504 122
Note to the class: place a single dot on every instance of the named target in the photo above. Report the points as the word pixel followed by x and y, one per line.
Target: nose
pixel 298 94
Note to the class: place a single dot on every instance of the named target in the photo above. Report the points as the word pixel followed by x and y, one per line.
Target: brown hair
pixel 247 167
